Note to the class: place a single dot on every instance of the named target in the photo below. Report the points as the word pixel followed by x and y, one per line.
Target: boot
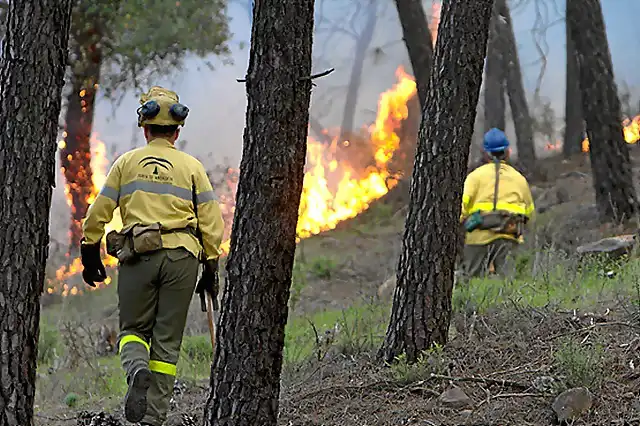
pixel 135 401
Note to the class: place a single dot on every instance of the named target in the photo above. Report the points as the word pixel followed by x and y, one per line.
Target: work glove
pixel 93 268
pixel 209 282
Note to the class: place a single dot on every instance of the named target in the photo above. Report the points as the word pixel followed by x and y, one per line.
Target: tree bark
pixel 612 177
pixel 421 309
pixel 245 379
pixel 522 121
pixel 574 124
pixel 417 37
pixel 34 57
pixel 355 80
pixel 75 156
pixel 494 79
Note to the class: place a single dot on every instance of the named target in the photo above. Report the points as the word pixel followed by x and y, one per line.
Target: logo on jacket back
pixel 156 162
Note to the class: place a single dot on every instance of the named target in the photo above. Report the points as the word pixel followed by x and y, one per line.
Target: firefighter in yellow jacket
pixel 171 222
pixel 496 205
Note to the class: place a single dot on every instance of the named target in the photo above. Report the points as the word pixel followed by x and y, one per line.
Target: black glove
pixel 209 282
pixel 93 268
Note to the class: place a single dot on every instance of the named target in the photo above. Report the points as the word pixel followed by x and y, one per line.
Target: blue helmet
pixel 495 141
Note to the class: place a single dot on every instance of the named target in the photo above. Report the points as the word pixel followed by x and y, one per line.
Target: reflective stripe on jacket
pixel 514 196
pixel 156 183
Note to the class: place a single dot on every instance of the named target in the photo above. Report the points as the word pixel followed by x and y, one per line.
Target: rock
pixel 385 291
pixel 455 398
pixel 573 403
pixel 613 247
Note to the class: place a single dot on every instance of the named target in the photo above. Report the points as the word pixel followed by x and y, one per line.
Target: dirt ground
pixel 506 361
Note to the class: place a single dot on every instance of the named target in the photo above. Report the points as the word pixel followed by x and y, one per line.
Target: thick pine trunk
pixel 522 121
pixel 245 379
pixel 574 124
pixel 609 153
pixel 362 45
pixel 422 301
pixel 494 79
pixel 34 57
pixel 417 37
pixel 75 157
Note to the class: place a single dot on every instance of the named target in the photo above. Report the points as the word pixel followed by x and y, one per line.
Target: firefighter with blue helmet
pixel 496 205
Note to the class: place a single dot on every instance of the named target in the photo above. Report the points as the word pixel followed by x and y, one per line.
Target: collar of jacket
pixel 161 142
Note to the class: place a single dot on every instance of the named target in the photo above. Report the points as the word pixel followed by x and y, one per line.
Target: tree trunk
pixel 574 124
pixel 494 79
pixel 245 379
pixel 362 44
pixel 75 156
pixel 422 301
pixel 34 57
pixel 522 121
pixel 417 37
pixel 609 153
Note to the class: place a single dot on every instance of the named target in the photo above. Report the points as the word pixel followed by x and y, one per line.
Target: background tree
pixel 522 121
pixel 117 45
pixel 612 178
pixel 34 56
pixel 574 123
pixel 362 39
pixel 417 37
pixel 494 78
pixel 245 377
pixel 421 310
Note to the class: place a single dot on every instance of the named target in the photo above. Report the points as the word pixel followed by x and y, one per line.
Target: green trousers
pixel 477 258
pixel 154 296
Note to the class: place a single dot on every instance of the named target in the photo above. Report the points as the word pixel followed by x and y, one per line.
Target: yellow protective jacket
pixel 159 184
pixel 514 195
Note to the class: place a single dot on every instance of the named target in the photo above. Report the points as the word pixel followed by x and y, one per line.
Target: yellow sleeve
pixel 470 186
pixel 530 208
pixel 101 211
pixel 210 220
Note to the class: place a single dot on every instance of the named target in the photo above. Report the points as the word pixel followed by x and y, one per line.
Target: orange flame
pixel 99 165
pixel 553 146
pixel 630 128
pixel 323 204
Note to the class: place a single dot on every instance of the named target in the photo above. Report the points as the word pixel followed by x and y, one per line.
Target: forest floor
pixel 514 344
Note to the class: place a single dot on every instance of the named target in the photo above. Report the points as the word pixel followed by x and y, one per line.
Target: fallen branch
pixel 588 328
pixel 485 380
pixel 56 418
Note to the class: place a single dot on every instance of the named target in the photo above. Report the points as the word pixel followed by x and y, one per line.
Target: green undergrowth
pixel 70 374
pixel 551 279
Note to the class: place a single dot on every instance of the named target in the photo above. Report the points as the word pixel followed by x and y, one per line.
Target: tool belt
pixel 138 239
pixel 498 221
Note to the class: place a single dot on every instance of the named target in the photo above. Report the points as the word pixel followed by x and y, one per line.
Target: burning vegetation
pixel 630 128
pixel 333 191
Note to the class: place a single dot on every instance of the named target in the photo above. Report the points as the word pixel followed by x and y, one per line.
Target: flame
pixel 630 128
pixel 334 189
pixel 557 146
pixel 99 167
pixel 436 7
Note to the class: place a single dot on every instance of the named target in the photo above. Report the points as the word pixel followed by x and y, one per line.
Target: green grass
pixel 558 282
